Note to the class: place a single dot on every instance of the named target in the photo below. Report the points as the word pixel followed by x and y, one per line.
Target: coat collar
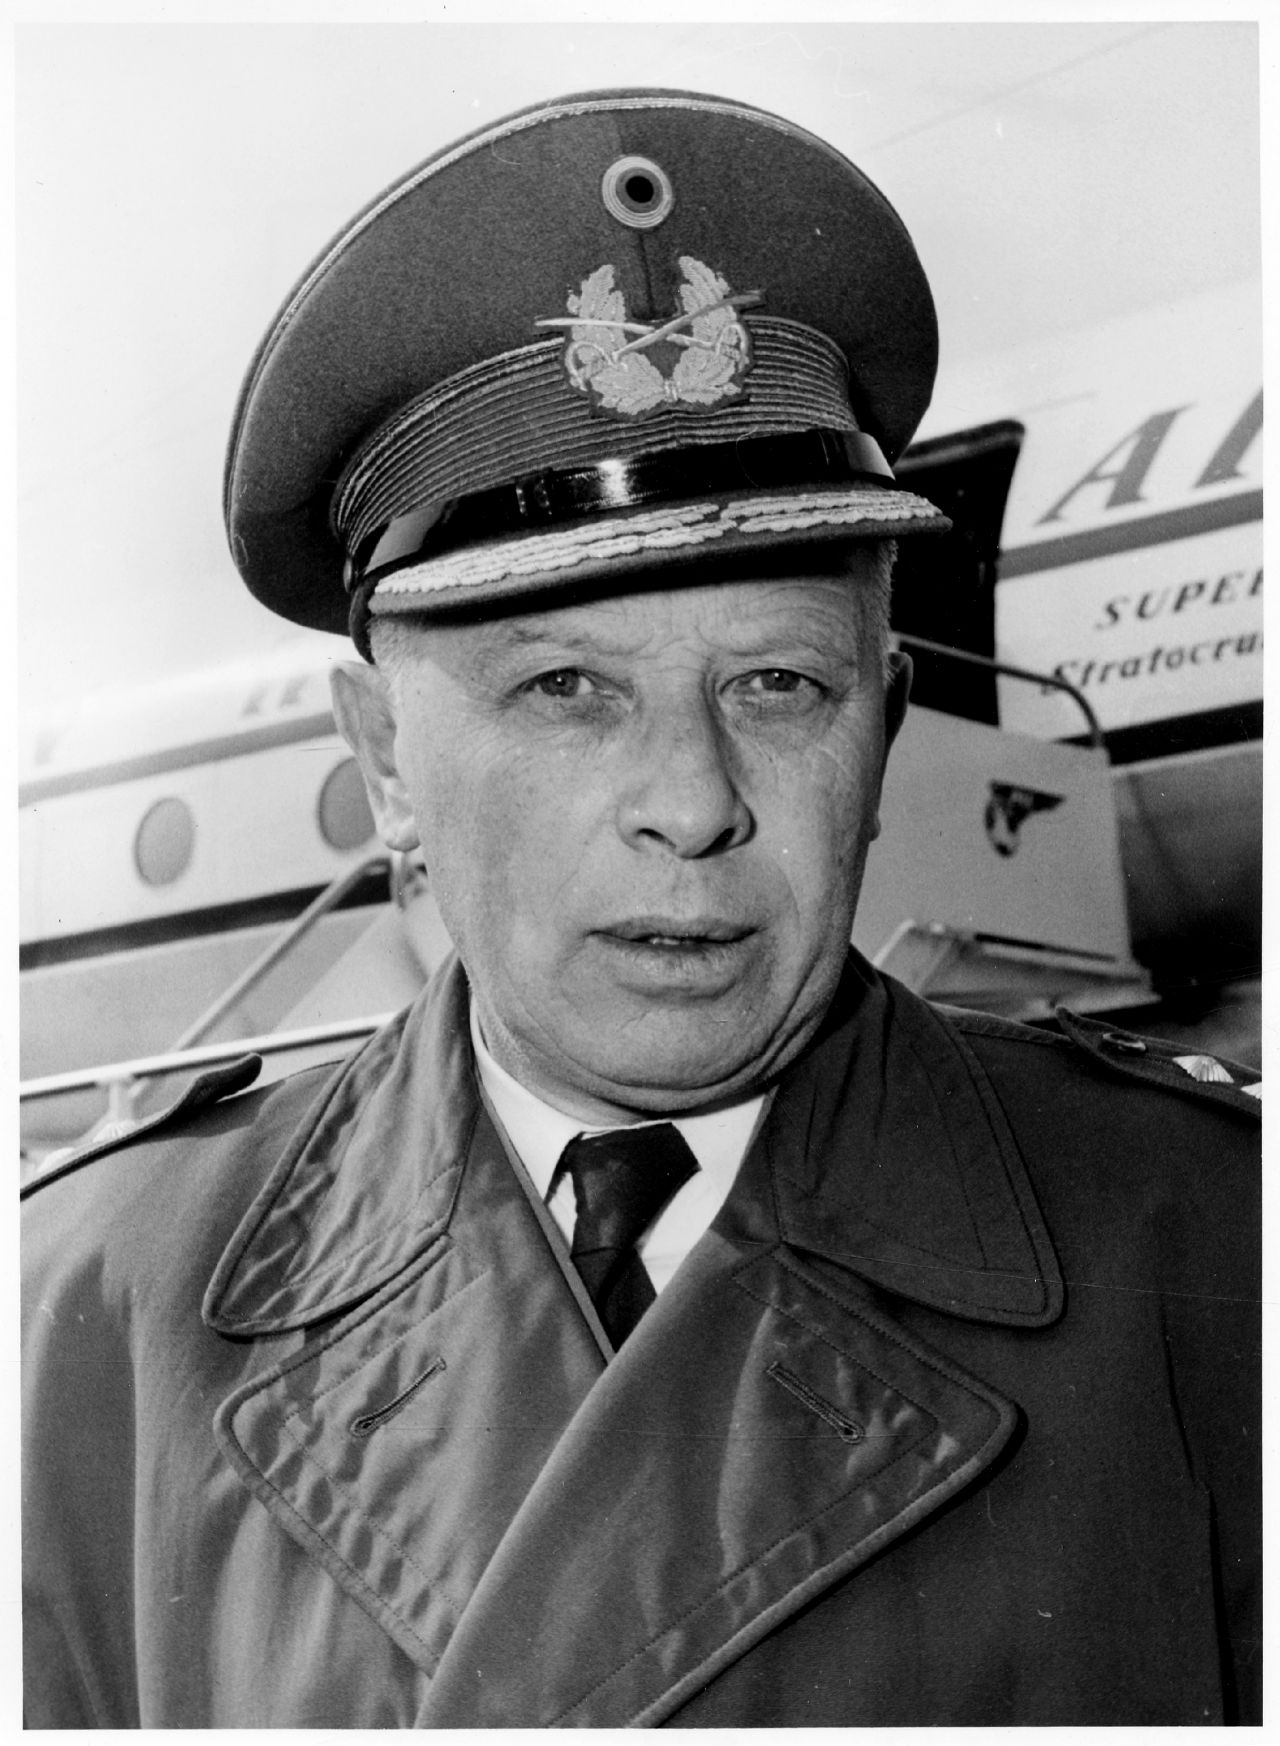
pixel 886 1149
pixel 891 1157
pixel 367 1182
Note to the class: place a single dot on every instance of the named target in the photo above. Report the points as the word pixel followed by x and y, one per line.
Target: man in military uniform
pixel 668 1319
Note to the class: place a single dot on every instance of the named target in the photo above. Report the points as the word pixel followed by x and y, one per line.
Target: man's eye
pixel 563 682
pixel 777 682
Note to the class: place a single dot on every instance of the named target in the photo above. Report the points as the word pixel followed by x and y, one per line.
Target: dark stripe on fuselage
pixel 281 733
pixel 1175 735
pixel 1128 536
pixel 273 908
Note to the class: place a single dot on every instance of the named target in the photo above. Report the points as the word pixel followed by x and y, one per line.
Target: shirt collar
pixel 539 1132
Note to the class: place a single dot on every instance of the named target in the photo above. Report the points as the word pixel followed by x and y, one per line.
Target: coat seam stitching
pixel 304 1139
pixel 969 1467
pixel 976 1024
pixel 456 1164
pixel 811 1328
pixel 323 1275
pixel 920 1355
pixel 379 1528
pixel 1006 1143
pixel 962 1173
pixel 380 1351
pixel 301 1138
pixel 706 1599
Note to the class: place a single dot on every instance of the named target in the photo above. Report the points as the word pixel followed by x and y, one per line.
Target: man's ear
pixel 365 715
pixel 897 691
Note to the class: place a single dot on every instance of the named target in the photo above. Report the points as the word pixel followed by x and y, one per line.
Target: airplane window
pixel 165 841
pixel 342 811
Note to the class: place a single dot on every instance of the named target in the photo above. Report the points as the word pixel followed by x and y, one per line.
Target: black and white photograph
pixel 639 649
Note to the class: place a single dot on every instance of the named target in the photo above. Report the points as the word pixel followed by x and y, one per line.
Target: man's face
pixel 644 820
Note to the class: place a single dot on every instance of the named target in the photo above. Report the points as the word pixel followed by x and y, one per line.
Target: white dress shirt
pixel 539 1133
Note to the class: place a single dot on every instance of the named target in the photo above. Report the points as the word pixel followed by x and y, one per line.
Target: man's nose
pixel 680 789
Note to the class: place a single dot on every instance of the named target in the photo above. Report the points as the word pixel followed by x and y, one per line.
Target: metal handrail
pixel 210 1055
pixel 1096 739
pixel 249 978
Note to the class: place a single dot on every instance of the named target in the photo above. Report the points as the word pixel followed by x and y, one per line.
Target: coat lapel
pixel 398 1441
pixel 397 1447
pixel 760 1436
pixel 456 1453
pixel 768 1428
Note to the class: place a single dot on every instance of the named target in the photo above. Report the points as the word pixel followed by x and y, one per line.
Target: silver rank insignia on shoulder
pixel 604 355
pixel 1204 1068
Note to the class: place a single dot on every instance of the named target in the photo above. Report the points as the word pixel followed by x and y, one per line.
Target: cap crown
pixel 456 263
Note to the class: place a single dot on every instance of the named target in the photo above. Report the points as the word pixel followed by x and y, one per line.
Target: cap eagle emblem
pixel 605 352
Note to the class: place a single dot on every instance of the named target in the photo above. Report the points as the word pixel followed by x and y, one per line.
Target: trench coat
pixel 951 1417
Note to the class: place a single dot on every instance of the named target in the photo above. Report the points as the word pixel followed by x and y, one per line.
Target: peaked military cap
pixel 615 331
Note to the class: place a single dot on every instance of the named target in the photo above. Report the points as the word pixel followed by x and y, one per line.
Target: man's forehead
pixel 732 615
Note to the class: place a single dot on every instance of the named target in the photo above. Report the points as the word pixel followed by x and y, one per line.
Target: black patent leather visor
pixel 539 501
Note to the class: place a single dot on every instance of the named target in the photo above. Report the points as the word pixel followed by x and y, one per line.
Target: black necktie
pixel 621 1181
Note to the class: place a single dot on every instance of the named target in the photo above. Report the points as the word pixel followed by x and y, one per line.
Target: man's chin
pixel 643 1028
pixel 668 1078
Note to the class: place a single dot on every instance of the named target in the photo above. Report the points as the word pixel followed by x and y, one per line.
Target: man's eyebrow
pixel 516 634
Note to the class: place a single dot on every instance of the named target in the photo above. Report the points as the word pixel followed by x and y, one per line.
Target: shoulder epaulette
pixel 1172 1066
pixel 989 1024
pixel 208 1088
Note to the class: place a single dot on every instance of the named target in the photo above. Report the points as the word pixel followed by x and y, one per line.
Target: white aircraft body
pixel 1131 566
pixel 1106 488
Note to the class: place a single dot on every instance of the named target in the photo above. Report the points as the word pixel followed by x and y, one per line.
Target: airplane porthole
pixel 342 811
pixel 165 842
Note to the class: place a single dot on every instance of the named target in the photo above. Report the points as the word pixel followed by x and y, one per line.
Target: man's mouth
pixel 686 934
pixel 680 957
